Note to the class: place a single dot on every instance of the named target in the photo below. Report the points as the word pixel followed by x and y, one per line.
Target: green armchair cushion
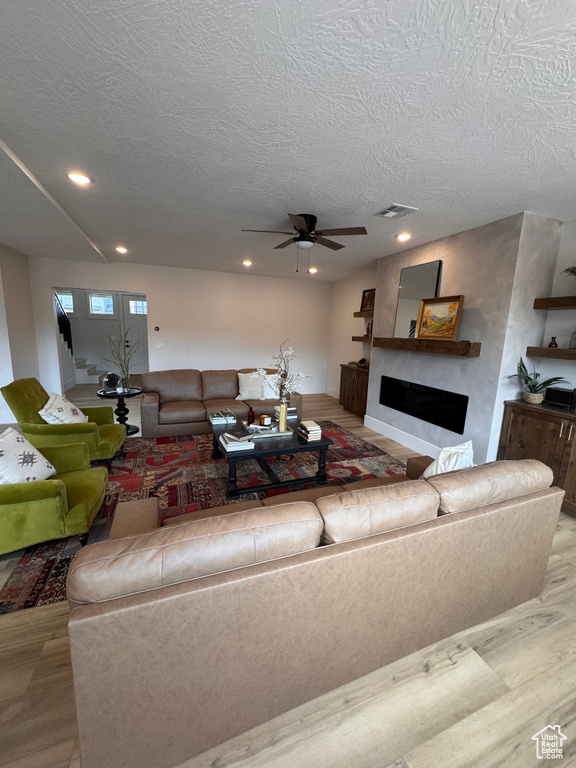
pixel 63 505
pixel 103 437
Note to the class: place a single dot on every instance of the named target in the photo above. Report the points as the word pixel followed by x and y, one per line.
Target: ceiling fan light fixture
pixel 79 178
pixel 304 244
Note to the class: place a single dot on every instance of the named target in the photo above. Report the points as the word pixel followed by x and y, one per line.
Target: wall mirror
pixel 422 281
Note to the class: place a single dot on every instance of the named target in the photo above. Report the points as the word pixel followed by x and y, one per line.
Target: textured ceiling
pixel 198 118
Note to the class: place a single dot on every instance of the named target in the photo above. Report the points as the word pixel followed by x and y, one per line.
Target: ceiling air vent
pixel 395 210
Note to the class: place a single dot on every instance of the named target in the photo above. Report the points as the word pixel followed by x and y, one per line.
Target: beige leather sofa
pixel 178 402
pixel 190 634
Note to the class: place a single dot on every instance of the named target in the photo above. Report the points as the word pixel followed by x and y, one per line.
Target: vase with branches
pixel 283 381
pixel 121 352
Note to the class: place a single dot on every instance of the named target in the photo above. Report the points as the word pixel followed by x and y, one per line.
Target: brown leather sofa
pixel 178 402
pixel 190 634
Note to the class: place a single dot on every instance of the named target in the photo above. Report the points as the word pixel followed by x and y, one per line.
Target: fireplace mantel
pixel 430 346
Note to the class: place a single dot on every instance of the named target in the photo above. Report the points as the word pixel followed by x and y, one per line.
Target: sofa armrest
pixel 99 414
pixel 68 457
pixel 19 493
pixel 149 413
pixel 86 428
pixel 416 465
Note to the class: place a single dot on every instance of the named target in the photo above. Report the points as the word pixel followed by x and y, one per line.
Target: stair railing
pixel 64 327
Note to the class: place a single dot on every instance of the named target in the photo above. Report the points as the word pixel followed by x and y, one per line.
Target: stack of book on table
pixel 292 413
pixel 222 417
pixel 269 430
pixel 232 442
pixel 309 430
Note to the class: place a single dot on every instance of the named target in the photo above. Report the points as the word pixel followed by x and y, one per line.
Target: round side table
pixel 121 409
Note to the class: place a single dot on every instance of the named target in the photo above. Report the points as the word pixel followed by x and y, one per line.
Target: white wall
pixel 19 312
pixel 346 297
pixel 206 319
pixel 6 372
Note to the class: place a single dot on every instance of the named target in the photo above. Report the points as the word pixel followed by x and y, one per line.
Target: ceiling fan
pixel 307 234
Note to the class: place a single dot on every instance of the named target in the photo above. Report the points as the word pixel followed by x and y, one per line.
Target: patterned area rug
pixel 181 473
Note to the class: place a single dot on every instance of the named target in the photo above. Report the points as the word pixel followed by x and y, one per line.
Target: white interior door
pixel 135 320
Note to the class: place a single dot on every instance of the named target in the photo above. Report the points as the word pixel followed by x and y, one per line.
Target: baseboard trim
pixel 333 392
pixel 405 438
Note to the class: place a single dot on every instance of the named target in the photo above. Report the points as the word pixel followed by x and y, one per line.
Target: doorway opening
pixel 94 316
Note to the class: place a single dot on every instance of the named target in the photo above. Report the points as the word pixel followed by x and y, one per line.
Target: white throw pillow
pixel 250 387
pixel 20 462
pixel 58 410
pixel 270 392
pixel 454 457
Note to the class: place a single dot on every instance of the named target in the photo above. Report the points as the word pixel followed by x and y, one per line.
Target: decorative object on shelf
pixel 111 381
pixel 439 318
pixel 570 271
pixel 553 343
pixel 534 392
pixel 284 381
pixel 121 354
pixel 368 299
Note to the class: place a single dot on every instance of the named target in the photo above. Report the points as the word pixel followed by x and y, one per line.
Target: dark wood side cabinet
pixel 545 433
pixel 353 389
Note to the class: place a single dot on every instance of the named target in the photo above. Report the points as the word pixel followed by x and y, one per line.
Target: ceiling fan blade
pixel 328 243
pixel 272 231
pixel 299 222
pixel 345 231
pixel 285 243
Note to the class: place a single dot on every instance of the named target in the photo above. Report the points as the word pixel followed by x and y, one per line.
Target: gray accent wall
pixel 500 268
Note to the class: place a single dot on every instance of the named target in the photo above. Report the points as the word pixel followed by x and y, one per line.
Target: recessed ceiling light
pixel 403 236
pixel 247 263
pixel 121 249
pixel 79 178
pixel 313 270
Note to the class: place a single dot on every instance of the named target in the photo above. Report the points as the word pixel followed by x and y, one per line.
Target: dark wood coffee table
pixel 267 447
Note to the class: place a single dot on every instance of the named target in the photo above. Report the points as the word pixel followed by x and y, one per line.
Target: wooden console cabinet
pixel 545 433
pixel 353 388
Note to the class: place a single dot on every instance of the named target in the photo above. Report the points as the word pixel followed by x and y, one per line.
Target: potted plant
pixel 534 389
pixel 121 354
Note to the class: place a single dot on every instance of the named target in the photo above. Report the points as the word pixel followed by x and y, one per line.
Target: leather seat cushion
pixel 176 553
pixel 182 412
pixel 219 384
pixel 238 408
pixel 355 514
pixel 466 489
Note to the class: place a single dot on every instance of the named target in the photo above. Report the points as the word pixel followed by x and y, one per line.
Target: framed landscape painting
pixel 439 318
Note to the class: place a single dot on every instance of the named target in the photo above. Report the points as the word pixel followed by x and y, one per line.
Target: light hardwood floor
pixel 473 700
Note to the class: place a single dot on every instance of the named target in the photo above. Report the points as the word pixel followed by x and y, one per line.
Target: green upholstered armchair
pixel 103 437
pixel 63 505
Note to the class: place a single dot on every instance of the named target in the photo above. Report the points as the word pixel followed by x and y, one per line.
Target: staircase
pixel 87 373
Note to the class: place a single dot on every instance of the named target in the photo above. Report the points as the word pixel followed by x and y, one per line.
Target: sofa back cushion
pixel 177 553
pixel 490 483
pixel 174 386
pixel 218 385
pixel 354 514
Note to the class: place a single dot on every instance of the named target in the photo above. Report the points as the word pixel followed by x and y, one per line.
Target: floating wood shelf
pixel 431 346
pixel 361 338
pixel 556 352
pixel 556 302
pixel 365 313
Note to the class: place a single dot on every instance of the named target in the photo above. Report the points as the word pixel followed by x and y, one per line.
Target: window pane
pixel 101 304
pixel 67 301
pixel 138 307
